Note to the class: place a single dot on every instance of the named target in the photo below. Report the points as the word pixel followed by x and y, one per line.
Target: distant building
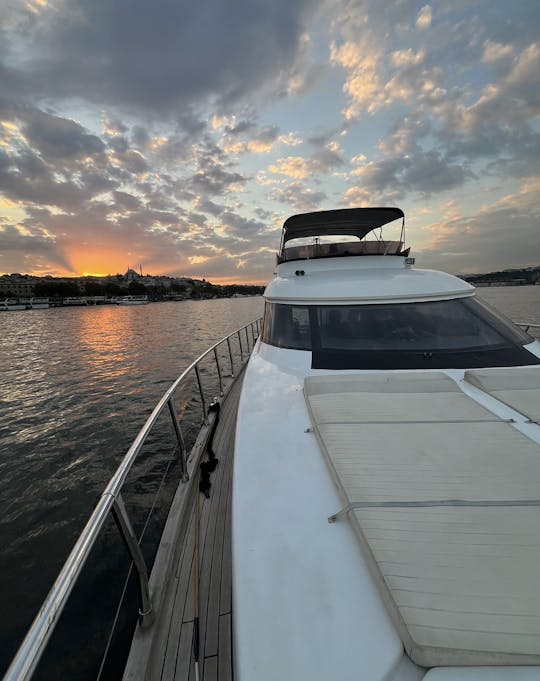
pixel 18 285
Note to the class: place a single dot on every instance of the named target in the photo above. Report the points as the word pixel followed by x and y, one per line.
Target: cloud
pixel 424 18
pixel 25 177
pixel 59 138
pixel 327 157
pixel 214 180
pixel 236 225
pixel 364 84
pixel 189 132
pixel 424 172
pixel 292 166
pixel 475 243
pixel 495 51
pixel 300 197
pixel 404 136
pixel 158 56
pixel 22 250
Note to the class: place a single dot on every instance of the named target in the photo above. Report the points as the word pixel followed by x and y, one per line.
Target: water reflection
pixel 102 335
pixel 78 383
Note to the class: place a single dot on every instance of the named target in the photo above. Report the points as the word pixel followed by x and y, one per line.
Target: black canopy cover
pixel 350 221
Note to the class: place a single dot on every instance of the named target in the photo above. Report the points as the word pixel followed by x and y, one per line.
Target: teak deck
pixel 172 657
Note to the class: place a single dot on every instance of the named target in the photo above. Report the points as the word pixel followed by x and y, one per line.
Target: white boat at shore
pixel 38 304
pixel 75 301
pixel 383 451
pixel 132 300
pixel 11 305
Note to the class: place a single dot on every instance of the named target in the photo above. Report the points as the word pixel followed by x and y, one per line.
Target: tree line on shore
pixel 196 290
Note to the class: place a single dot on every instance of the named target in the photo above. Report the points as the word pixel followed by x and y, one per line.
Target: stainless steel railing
pixel 111 501
pixel 526 326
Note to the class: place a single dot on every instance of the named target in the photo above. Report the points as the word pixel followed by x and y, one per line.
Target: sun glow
pixel 97 261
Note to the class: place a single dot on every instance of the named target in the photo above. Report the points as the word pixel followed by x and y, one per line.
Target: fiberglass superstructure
pixel 385 519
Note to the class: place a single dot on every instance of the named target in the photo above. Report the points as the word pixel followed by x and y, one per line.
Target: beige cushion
pixel 435 482
pixel 518 387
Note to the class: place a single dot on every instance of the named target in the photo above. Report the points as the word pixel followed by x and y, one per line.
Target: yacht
pixel 132 300
pixel 385 516
pixel 11 305
pixel 75 301
pixel 370 469
pixel 38 304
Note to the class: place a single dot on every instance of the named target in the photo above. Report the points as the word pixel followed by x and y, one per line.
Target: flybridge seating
pixel 339 224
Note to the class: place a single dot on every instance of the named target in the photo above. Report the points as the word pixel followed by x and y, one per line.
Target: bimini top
pixel 354 222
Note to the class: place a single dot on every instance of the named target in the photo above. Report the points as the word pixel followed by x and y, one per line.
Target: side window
pixel 268 322
pixel 287 326
pixel 302 330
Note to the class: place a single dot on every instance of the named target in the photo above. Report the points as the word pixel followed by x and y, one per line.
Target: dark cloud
pixel 23 251
pixel 506 232
pixel 24 176
pixel 267 135
pixel 243 228
pixel 126 201
pixel 59 138
pixel 240 128
pixel 214 179
pixel 164 55
pixel 206 206
pixel 426 172
pixel 299 197
pixel 328 158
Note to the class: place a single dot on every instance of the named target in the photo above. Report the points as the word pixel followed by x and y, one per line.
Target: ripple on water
pixel 77 384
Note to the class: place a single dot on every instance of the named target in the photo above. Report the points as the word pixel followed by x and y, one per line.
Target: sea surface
pixel 76 386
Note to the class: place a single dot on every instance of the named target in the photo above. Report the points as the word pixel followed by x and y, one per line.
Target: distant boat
pixel 75 300
pixel 11 304
pixel 132 300
pixel 38 304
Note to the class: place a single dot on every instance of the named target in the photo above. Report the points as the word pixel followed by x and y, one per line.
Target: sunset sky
pixel 180 135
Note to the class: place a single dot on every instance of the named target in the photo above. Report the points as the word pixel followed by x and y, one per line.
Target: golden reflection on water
pixel 76 386
pixel 102 333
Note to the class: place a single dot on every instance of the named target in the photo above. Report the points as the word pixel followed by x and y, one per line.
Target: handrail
pixel 527 325
pixel 33 645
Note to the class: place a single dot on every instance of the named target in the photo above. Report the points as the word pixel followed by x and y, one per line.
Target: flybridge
pixel 348 222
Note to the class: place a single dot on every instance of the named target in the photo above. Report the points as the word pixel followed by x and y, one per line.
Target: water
pixel 77 384
pixel 520 303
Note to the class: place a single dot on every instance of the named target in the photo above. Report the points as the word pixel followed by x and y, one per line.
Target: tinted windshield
pixel 397 335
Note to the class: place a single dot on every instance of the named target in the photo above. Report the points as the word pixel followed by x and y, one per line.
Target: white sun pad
pixel 445 500
pixel 518 387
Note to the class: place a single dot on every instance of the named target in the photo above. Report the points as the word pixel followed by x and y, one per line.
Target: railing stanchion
pixel 181 445
pixel 240 344
pixel 121 518
pixel 218 372
pixel 230 355
pixel 247 339
pixel 253 333
pixel 203 401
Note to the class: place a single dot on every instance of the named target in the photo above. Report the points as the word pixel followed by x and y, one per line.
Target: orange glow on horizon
pixel 226 281
pixel 99 262
pixel 104 260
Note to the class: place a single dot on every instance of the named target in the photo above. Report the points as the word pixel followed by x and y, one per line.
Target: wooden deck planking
pixel 175 648
pixel 212 613
pixel 225 647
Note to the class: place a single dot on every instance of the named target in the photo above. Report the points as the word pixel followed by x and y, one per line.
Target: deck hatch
pixel 444 501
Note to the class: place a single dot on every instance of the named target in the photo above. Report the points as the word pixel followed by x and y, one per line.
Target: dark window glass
pixel 287 326
pixel 451 333
pixel 441 325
